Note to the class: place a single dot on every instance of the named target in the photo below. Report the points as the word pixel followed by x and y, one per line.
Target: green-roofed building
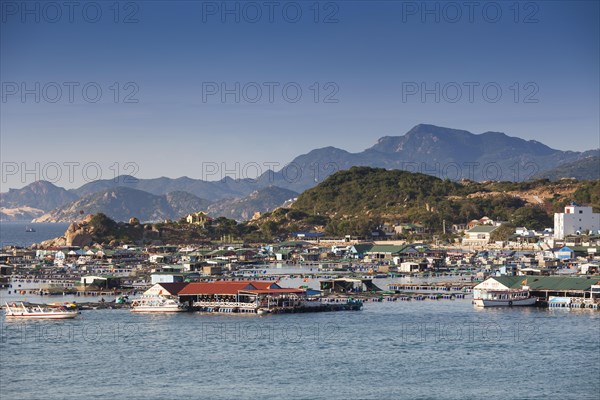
pixel 283 254
pixel 384 251
pixel 388 252
pixel 360 250
pixel 546 286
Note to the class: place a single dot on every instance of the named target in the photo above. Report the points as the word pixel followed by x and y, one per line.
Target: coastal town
pixel 556 267
pixel 304 200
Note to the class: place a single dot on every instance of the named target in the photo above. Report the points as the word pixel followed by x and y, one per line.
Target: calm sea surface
pixel 13 233
pixel 391 350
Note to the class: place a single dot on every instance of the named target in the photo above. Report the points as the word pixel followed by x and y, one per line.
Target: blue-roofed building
pixel 564 253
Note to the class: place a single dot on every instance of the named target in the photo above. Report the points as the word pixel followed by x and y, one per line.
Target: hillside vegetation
pixel 360 199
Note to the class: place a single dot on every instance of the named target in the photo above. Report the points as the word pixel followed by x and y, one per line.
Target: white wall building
pixel 576 220
pixel 479 235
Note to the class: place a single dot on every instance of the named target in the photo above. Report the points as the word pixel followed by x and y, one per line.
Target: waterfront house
pixel 348 285
pixel 243 296
pixel 545 286
pixel 103 281
pixel 412 266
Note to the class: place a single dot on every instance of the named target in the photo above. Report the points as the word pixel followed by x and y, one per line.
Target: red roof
pixel 265 285
pixel 229 287
pixel 275 291
pixel 215 288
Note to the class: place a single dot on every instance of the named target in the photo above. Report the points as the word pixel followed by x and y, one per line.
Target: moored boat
pixel 20 310
pixel 503 298
pixel 158 304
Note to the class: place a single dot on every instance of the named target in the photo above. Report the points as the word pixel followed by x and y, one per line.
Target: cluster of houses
pixel 575 222
pixel 573 246
pixel 570 226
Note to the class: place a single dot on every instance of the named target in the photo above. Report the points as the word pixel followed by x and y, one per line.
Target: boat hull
pixel 37 312
pixel 70 315
pixel 530 301
pixel 150 309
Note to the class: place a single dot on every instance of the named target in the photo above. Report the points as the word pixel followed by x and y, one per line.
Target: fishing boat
pixel 159 304
pixel 20 310
pixel 503 298
pixel 29 229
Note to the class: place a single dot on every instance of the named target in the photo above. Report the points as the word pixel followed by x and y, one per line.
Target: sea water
pixel 390 350
pixel 14 233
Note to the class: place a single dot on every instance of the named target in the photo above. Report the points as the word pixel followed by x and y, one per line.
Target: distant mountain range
pixel 586 168
pixel 212 190
pixel 41 195
pixel 262 200
pixel 433 150
pixel 441 152
pixel 122 203
pixel 32 201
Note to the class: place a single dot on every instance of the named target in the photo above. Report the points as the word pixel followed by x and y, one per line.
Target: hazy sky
pixel 153 88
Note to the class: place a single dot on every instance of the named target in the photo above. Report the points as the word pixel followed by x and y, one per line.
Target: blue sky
pixel 365 69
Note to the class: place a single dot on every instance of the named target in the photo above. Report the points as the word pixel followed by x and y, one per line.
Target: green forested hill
pixel 358 200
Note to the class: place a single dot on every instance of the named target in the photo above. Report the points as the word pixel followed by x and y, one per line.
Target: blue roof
pixel 307 234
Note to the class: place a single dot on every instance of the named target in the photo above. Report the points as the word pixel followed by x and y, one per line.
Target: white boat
pixel 159 304
pixel 20 310
pixel 503 298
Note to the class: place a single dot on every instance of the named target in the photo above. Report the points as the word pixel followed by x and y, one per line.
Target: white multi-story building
pixel 576 220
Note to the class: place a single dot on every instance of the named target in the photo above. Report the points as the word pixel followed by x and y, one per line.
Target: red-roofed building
pixel 240 296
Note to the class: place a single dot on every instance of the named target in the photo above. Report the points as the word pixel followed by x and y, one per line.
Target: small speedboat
pixel 29 229
pixel 20 310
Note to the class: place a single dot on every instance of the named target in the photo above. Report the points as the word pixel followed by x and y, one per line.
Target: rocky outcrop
pixel 98 229
pixel 78 234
